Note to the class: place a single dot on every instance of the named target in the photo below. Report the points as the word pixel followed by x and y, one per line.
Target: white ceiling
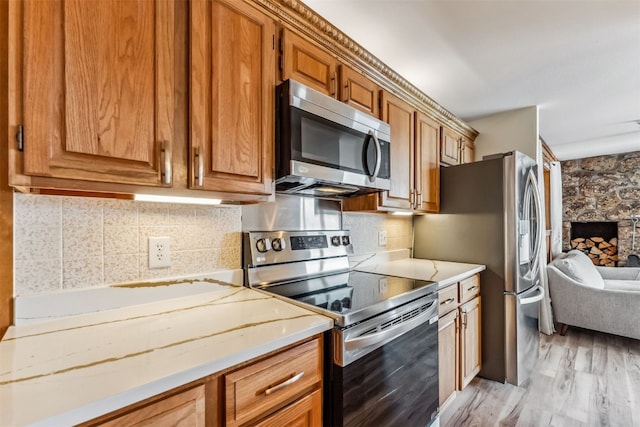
pixel 578 60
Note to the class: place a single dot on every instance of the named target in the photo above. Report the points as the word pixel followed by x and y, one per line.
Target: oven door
pixel 394 384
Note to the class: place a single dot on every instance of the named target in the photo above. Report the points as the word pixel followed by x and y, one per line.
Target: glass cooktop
pixel 351 297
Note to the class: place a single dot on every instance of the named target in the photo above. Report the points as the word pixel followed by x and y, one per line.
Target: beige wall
pixel 74 242
pixel 508 131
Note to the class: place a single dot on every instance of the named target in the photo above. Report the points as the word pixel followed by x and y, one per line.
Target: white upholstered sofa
pixel 605 299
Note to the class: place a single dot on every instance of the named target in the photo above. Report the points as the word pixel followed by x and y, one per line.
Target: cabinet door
pixel 470 357
pixel 186 409
pixel 305 412
pixel 450 147
pixel 400 117
pixel 358 91
pixel 307 63
pixel 98 90
pixel 427 173
pixel 448 356
pixel 468 151
pixel 231 97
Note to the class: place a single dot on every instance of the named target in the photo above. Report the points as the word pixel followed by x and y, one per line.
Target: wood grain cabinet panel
pixel 427 167
pixel 186 409
pixel 231 97
pixel 358 91
pixel 469 288
pixel 98 90
pixel 400 117
pixel 305 412
pixel 459 342
pixel 448 356
pixel 450 147
pixel 448 299
pixel 470 345
pixel 262 387
pixel 468 151
pixel 307 63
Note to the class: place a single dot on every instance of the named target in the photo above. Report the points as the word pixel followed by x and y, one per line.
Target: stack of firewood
pixel 601 251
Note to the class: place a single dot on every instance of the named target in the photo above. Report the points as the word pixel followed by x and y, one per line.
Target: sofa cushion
pixel 579 267
pixel 622 285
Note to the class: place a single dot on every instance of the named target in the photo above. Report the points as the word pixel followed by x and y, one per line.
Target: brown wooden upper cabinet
pixel 468 151
pixel 450 147
pixel 311 65
pixel 358 91
pixel 455 149
pixel 98 90
pixel 427 164
pixel 400 117
pixel 232 86
pixel 307 63
pixel 415 173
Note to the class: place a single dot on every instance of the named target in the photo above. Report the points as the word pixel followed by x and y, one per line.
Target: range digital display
pixel 308 242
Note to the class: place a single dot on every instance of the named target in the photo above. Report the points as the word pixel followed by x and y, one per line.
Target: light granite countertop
pixel 444 272
pixel 73 369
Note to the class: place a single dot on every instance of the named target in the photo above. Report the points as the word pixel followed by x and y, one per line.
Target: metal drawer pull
pixel 473 288
pixel 283 384
pixel 447 301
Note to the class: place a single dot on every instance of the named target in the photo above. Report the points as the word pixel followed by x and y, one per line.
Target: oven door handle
pixel 388 334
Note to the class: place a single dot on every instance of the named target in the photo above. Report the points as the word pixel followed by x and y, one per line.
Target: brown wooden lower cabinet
pixel 283 388
pixel 459 345
pixel 470 354
pixel 305 412
pixel 448 356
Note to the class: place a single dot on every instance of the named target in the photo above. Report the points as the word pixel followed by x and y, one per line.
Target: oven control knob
pixel 263 245
pixel 278 244
pixel 335 240
pixel 336 305
pixel 346 241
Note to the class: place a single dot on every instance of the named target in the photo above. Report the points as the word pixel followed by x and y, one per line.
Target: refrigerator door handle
pixel 533 185
pixel 534 299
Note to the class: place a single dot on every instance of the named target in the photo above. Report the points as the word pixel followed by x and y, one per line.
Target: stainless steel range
pixel 381 363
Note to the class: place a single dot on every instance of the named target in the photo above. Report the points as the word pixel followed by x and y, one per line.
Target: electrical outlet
pixel 159 252
pixel 382 285
pixel 382 237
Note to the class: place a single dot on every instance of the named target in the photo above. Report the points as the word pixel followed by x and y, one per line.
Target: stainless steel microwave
pixel 327 148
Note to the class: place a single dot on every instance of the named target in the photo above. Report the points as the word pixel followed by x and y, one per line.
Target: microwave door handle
pixel 376 169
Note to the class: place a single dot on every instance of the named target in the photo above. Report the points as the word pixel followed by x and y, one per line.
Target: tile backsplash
pixel 364 232
pixel 74 242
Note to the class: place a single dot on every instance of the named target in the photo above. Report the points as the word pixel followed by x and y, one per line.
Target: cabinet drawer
pixel 448 299
pixel 261 387
pixel 469 288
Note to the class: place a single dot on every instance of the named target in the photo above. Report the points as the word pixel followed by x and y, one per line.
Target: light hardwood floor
pixel 585 378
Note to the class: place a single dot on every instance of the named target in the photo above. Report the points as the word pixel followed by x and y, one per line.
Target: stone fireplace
pixel 598 240
pixel 602 189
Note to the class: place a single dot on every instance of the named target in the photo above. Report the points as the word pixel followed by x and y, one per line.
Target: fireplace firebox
pixel 597 239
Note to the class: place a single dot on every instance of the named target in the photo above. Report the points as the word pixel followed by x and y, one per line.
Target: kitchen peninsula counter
pixel 444 272
pixel 70 370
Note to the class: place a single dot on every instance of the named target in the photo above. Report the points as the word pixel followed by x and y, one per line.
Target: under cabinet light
pixel 175 199
pixel 402 213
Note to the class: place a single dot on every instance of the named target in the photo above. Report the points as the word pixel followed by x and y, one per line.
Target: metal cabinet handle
pixel 376 169
pixel 348 87
pixel 283 384
pixel 166 161
pixel 199 159
pixel 333 84
pixel 447 301
pixel 419 200
pixel 473 288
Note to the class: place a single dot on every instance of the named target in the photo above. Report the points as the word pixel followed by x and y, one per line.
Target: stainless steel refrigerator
pixel 490 213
